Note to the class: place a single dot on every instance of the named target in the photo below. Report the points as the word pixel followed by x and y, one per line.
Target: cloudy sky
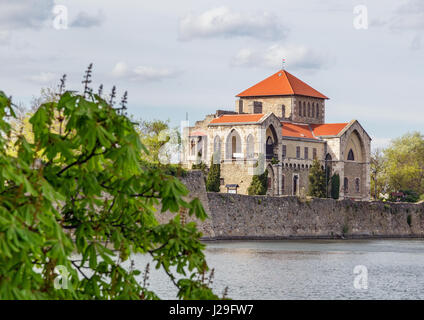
pixel 194 56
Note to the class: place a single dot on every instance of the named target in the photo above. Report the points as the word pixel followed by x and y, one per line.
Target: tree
pixel 317 181
pixel 153 137
pixel 81 200
pixel 259 184
pixel 335 186
pixel 377 164
pixel 404 165
pixel 213 182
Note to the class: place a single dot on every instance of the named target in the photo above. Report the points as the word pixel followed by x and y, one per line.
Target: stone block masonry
pixel 235 216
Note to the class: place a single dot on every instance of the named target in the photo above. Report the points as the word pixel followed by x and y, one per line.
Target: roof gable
pixel 281 83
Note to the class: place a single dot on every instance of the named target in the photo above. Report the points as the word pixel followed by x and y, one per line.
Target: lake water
pixel 309 269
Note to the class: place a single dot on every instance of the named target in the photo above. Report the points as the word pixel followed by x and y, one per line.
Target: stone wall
pixel 261 217
pixel 235 216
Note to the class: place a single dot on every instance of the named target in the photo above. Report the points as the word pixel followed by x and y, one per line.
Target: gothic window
pixel 284 150
pixel 192 148
pixel 298 152
pixel 346 185
pixel 217 150
pixel 250 147
pixel 314 153
pixel 306 153
pixel 357 185
pixel 232 145
pixel 269 148
pixel 350 155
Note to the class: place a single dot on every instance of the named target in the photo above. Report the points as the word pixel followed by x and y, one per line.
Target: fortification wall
pixel 234 216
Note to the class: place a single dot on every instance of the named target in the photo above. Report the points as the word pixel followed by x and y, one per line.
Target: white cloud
pixel 152 74
pixel 409 16
pixel 143 73
pixel 86 20
pixel 24 13
pixel 297 57
pixel 120 69
pixel 4 36
pixel 42 78
pixel 222 22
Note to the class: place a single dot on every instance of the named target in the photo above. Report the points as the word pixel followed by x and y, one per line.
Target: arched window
pixel 350 155
pixel 283 111
pixel 282 182
pixel 317 110
pixel 357 185
pixel 346 185
pixel 232 145
pixel 217 150
pixel 250 147
pixel 309 109
pixel 193 147
pixel 300 108
pixel 304 109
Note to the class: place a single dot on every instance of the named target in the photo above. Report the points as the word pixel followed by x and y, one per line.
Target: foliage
pixel 199 166
pixel 87 184
pixel 259 184
pixel 335 186
pixel 378 179
pixel 404 164
pixel 409 220
pixel 213 182
pixel 160 140
pixel 274 160
pixel 317 181
pixel 404 196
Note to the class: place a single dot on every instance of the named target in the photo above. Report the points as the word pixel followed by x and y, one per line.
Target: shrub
pixel 317 181
pixel 259 184
pixel 404 196
pixel 335 186
pixel 213 181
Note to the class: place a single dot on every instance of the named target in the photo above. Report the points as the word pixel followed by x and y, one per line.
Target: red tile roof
pixel 197 134
pixel 311 131
pixel 296 130
pixel 237 118
pixel 281 83
pixel 328 129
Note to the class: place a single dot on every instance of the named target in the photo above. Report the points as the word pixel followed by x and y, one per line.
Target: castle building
pixel 281 120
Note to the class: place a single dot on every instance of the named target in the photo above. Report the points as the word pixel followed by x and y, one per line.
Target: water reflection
pixel 310 269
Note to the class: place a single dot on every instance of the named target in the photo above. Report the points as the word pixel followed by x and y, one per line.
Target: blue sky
pixel 184 56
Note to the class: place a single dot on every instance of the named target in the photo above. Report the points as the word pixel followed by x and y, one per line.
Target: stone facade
pixel 289 132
